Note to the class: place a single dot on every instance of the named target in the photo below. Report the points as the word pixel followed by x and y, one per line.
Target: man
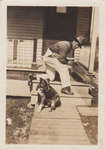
pixel 55 59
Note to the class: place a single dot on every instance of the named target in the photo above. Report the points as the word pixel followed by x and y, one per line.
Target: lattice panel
pixel 25 52
pixel 20 52
pixel 39 49
pixel 10 51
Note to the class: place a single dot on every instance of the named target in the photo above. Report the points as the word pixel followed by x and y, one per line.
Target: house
pixel 30 31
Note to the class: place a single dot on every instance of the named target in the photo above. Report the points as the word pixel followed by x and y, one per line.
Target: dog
pixel 47 95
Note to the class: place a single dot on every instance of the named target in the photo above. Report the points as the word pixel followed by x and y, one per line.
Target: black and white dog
pixel 47 95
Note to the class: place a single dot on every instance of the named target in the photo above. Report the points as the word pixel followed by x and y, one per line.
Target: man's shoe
pixel 67 90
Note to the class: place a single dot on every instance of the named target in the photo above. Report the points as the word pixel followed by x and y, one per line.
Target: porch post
pixel 93 37
pixel 39 50
pixel 3 32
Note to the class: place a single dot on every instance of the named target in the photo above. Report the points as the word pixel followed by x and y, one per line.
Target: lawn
pixel 18 120
pixel 90 124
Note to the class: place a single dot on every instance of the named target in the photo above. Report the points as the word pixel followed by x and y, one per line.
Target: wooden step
pixel 73 83
pixel 78 92
pixel 20 88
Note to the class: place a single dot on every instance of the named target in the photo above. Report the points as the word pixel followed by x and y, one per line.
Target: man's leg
pixel 49 70
pixel 61 69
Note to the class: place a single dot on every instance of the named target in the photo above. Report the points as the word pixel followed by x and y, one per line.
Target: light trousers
pixel 52 64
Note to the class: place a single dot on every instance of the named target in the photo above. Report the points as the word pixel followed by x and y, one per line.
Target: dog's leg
pixel 41 104
pixel 55 103
pixel 52 105
pixel 58 101
pixel 31 104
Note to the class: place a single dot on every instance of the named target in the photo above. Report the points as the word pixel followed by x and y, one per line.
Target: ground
pixel 90 124
pixel 19 119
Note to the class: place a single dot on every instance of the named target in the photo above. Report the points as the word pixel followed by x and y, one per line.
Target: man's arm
pixel 70 59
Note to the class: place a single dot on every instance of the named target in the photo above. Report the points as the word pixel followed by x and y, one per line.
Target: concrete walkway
pixel 62 126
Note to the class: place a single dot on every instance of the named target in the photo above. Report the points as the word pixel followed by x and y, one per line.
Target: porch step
pixel 73 83
pixel 19 88
pixel 80 90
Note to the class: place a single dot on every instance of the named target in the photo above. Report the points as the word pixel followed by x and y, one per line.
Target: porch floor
pixel 62 126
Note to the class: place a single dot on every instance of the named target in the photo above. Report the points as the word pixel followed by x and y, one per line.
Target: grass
pixel 18 120
pixel 90 124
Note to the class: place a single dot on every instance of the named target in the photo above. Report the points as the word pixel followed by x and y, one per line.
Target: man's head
pixel 79 41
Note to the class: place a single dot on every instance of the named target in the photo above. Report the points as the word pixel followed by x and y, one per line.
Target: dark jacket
pixel 62 48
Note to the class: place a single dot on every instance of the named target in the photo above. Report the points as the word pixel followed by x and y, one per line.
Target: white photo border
pixel 3 47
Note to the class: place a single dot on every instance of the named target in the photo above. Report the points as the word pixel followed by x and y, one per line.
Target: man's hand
pixel 55 55
pixel 70 61
pixel 70 58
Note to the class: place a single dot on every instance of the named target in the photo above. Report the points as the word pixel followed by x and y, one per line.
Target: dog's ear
pixel 41 79
pixel 48 81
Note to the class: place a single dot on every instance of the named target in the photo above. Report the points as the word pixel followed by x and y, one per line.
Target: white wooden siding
pixel 83 21
pixel 25 22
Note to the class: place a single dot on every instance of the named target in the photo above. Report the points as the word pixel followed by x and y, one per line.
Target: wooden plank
pixel 88 111
pixel 68 126
pixel 57 132
pixel 54 139
pixel 61 137
pixel 61 142
pixel 73 83
pixel 56 128
pixel 57 115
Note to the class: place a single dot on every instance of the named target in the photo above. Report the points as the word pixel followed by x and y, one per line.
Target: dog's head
pixel 43 84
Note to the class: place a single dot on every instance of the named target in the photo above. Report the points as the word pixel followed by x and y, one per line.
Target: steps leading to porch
pixel 19 88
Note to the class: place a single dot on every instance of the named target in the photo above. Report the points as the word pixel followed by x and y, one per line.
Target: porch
pixel 30 34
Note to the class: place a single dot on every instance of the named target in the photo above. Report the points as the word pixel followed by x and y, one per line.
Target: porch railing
pixel 24 53
pixel 20 53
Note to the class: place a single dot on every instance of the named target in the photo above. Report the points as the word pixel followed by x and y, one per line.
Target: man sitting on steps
pixel 55 59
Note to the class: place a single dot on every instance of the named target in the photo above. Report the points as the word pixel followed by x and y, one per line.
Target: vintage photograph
pixel 52 75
